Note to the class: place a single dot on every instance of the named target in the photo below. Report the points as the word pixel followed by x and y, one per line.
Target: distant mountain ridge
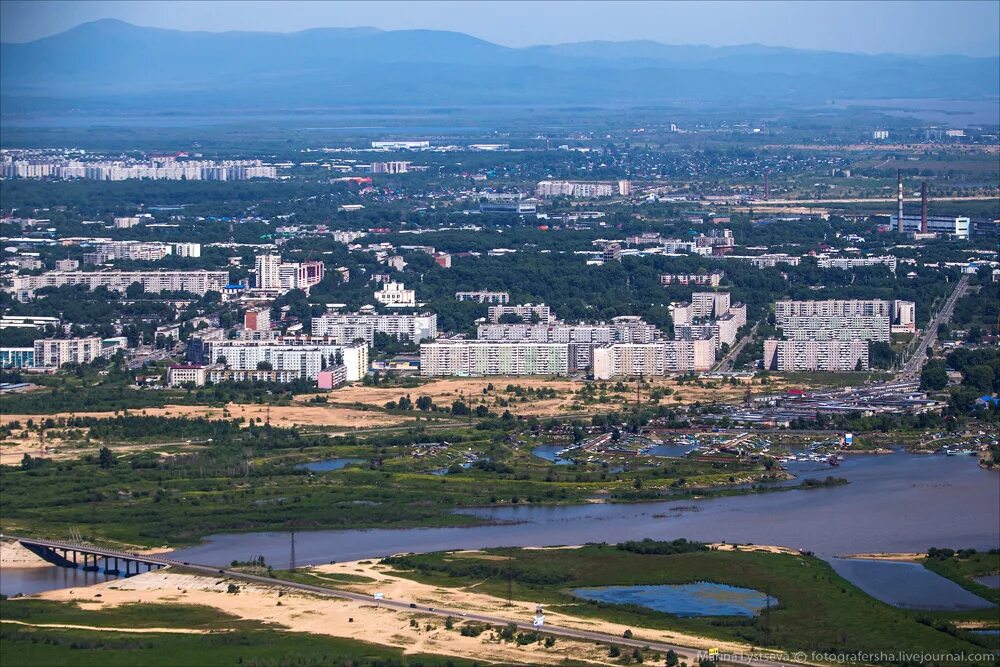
pixel 110 62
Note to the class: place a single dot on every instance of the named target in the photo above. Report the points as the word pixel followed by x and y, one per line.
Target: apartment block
pixel 581 189
pixel 815 355
pixel 141 251
pixel 471 358
pixel 835 327
pixel 347 328
pixel 702 279
pixel 527 312
pixel 197 282
pixel 56 352
pixel 582 338
pixel 628 359
pixel 847 263
pixel 899 316
pixel 658 358
pixel 703 305
pixel 484 296
pixel 304 355
pixel 17 357
pixel 257 319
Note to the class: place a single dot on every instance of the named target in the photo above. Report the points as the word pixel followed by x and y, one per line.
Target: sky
pixel 902 26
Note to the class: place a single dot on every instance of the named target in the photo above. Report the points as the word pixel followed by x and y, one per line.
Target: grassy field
pixel 817 609
pixel 249 480
pixel 962 570
pixel 235 642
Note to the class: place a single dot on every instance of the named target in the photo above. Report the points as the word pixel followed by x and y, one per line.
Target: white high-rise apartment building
pixel 815 355
pixel 583 189
pixel 471 358
pixel 303 355
pixel 871 319
pixel 56 352
pixel 268 271
pixel 197 282
pixel 187 249
pixel 350 327
pixel 527 312
pixel 649 359
pixel 484 296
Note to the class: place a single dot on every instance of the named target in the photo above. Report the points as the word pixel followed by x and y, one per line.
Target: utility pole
pixel 510 577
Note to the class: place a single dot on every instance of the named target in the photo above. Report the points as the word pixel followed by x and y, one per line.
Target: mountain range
pixel 109 63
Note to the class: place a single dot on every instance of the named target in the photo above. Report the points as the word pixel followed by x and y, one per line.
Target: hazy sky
pixel 965 27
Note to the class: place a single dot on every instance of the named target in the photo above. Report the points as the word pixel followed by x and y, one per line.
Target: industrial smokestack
pixel 899 201
pixel 923 207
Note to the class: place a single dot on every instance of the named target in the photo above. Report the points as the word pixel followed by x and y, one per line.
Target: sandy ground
pixel 300 612
pixel 13 555
pixel 98 628
pixel 903 557
pixel 397 587
pixel 722 546
pixel 446 391
pixel 280 415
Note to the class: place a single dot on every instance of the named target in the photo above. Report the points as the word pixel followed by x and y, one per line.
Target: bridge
pixel 89 558
pixel 69 554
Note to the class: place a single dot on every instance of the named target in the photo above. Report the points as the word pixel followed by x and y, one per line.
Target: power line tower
pixel 291 556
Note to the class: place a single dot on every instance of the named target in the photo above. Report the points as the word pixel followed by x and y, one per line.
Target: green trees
pixel 933 375
pixel 105 458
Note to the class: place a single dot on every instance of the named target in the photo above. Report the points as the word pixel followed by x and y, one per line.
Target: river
pixel 894 503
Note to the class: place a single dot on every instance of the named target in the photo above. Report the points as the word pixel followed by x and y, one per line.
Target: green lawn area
pixel 817 609
pixel 248 643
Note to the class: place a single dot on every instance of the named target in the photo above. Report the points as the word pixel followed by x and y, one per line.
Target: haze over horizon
pixel 912 28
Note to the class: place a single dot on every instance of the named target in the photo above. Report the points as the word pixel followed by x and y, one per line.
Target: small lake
pixel 329 464
pixel 699 599
pixel 907 585
pixel 673 450
pixel 551 453
pixel 989 580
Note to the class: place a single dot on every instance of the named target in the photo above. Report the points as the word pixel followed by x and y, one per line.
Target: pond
pixel 551 453
pixel 907 585
pixel 698 599
pixel 329 464
pixel 989 580
pixel 675 449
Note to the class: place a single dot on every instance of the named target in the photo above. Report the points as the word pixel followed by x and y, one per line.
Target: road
pixel 871 200
pixel 911 369
pixel 685 653
pixel 726 363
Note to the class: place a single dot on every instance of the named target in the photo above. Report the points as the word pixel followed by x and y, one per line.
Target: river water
pixel 894 503
pixel 899 502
